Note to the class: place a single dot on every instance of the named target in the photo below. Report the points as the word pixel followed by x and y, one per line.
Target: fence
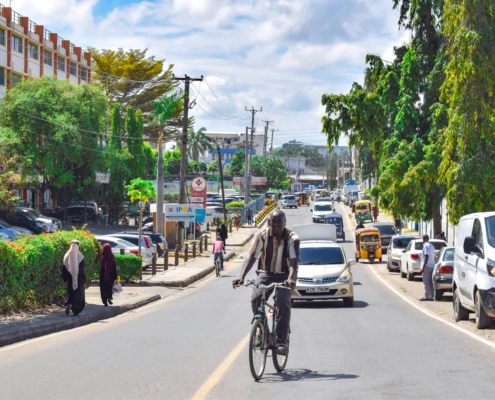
pixel 255 205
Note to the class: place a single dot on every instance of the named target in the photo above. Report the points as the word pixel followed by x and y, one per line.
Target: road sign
pixel 198 192
pixel 198 184
pixel 103 177
pixel 180 212
pixel 200 215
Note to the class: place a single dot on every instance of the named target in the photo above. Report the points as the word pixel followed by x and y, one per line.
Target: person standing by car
pixel 108 274
pixel 428 258
pixel 375 212
pixel 398 225
pixel 223 233
pixel 278 251
pixel 218 251
pixel 73 274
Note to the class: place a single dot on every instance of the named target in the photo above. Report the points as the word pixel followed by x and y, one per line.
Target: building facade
pixel 29 50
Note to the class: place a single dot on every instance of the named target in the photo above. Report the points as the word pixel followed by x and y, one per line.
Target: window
pixel 84 74
pixel 16 78
pixel 321 255
pixel 33 51
pixel 2 37
pixel 73 69
pixel 2 76
pixel 61 64
pixel 17 43
pixel 48 58
pixel 478 233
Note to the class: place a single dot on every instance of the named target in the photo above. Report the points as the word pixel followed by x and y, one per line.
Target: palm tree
pixel 198 143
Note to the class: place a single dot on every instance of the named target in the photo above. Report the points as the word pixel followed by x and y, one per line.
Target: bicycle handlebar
pixel 251 282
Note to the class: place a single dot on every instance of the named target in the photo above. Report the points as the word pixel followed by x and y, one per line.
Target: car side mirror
pixel 310 210
pixel 469 245
pixel 404 250
pixel 350 263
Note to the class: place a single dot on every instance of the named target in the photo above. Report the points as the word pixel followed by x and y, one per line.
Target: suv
pixel 156 238
pixel 24 220
pixel 473 284
pixel 387 230
pixel 394 250
pixel 289 201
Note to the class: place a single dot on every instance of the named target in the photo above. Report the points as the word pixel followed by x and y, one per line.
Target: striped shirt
pixel 274 255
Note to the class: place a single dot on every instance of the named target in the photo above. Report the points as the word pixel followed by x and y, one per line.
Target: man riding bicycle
pixel 277 248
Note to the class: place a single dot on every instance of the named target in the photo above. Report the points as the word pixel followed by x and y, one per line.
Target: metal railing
pixel 72 48
pixel 16 17
pixel 32 26
pixel 47 34
pixel 59 41
pixel 255 205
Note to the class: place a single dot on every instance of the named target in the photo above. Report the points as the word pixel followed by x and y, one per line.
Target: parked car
pixel 146 244
pixel 37 214
pixel 118 244
pixel 5 229
pixel 50 226
pixel 394 250
pixel 410 262
pixel 24 220
pixel 288 201
pixel 156 238
pixel 442 272
pixel 474 269
pixel 324 272
pixel 387 230
pixel 5 237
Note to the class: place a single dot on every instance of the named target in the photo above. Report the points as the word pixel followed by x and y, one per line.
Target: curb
pixel 191 279
pixel 99 314
pixel 243 243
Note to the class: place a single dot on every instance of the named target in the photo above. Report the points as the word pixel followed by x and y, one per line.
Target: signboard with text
pixel 198 192
pixel 254 181
pixel 180 212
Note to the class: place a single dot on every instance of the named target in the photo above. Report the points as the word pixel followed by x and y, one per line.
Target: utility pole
pixel 221 183
pixel 266 136
pixel 183 149
pixel 253 112
pixel 271 146
pixel 246 172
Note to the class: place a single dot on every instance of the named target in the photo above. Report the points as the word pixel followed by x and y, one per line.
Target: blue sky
pixel 278 54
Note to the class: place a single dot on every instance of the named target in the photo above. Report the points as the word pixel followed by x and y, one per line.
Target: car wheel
pixel 410 277
pixel 343 238
pixel 437 294
pixel 460 313
pixel 482 320
pixel 348 301
pixel 388 266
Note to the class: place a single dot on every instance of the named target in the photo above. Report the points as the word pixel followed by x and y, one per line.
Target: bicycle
pixel 262 339
pixel 218 265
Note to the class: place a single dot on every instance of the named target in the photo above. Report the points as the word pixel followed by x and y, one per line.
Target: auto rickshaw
pixel 336 219
pixel 324 193
pixel 268 198
pixel 368 244
pixel 303 199
pixel 363 210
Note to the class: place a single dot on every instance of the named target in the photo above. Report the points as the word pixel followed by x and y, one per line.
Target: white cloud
pixel 279 54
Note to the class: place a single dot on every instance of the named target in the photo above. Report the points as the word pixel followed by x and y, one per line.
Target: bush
pixel 235 204
pixel 129 267
pixel 31 267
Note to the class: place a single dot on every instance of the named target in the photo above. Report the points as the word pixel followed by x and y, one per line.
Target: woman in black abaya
pixel 73 274
pixel 108 274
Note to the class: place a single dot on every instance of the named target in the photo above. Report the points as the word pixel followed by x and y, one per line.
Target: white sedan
pixel 324 273
pixel 410 261
pixel 321 210
pixel 117 244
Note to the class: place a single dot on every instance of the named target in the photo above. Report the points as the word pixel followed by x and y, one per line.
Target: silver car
pixel 443 272
pixel 289 201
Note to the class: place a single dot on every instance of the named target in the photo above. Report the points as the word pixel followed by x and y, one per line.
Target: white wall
pixel 60 75
pixel 18 60
pixel 35 68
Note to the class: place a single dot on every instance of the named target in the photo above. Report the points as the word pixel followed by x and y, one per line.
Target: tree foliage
pixel 238 161
pixel 198 143
pixel 271 168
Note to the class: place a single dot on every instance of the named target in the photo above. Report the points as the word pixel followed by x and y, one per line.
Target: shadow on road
pixel 328 304
pixel 303 375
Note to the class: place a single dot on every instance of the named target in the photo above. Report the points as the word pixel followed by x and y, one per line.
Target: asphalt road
pixel 382 348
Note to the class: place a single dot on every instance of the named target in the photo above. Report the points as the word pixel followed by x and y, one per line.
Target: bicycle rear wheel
pixel 217 267
pixel 257 349
pixel 280 361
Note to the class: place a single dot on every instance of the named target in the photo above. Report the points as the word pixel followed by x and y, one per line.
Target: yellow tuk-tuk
pixel 368 244
pixel 268 198
pixel 362 209
pixel 324 193
pixel 302 199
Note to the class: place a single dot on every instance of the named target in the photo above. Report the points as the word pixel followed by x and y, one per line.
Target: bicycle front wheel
pixel 280 361
pixel 257 349
pixel 217 267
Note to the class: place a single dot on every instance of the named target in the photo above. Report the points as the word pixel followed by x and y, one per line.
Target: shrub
pixel 31 267
pixel 129 267
pixel 235 204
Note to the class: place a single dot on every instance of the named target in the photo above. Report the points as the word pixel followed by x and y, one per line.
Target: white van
pixel 474 269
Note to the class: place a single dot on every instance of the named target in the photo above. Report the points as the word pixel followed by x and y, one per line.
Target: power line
pixel 220 101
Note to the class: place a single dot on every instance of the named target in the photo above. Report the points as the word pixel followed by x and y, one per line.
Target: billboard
pixel 255 181
pixel 180 212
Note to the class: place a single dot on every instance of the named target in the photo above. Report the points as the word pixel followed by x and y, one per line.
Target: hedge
pixel 235 204
pixel 129 267
pixel 31 267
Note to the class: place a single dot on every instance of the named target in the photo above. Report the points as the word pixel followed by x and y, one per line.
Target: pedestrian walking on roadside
pixel 237 221
pixel 218 251
pixel 375 212
pixel 108 274
pixel 249 216
pixel 223 233
pixel 73 274
pixel 428 258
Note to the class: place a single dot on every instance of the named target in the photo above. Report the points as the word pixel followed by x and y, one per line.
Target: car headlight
pixel 345 276
pixel 39 225
pixel 396 254
pixel 364 247
pixel 490 266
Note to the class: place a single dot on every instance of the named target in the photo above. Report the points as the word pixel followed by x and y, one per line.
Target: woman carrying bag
pixel 108 274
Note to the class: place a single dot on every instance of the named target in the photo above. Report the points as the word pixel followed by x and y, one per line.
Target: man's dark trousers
pixel 283 300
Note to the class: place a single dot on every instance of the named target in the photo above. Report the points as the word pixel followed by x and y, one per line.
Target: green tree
pixel 468 165
pixel 271 168
pixel 198 143
pixel 213 168
pixel 236 167
pixel 134 139
pixel 54 126
pixel 141 190
pixel 8 196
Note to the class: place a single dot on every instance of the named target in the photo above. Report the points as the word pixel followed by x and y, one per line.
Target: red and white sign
pixel 198 192
pixel 255 181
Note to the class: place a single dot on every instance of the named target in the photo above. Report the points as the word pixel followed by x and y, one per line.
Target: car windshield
pixel 290 198
pixel 5 224
pixel 370 238
pixel 362 207
pixel 125 243
pixel 438 245
pixel 323 207
pixel 28 215
pixel 448 255
pixel 321 255
pixel 334 221
pixel 34 212
pixel 490 230
pixel 401 243
pixel 386 229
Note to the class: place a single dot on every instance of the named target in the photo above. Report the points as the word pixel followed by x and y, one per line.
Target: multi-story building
pixel 30 50
pixel 231 143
